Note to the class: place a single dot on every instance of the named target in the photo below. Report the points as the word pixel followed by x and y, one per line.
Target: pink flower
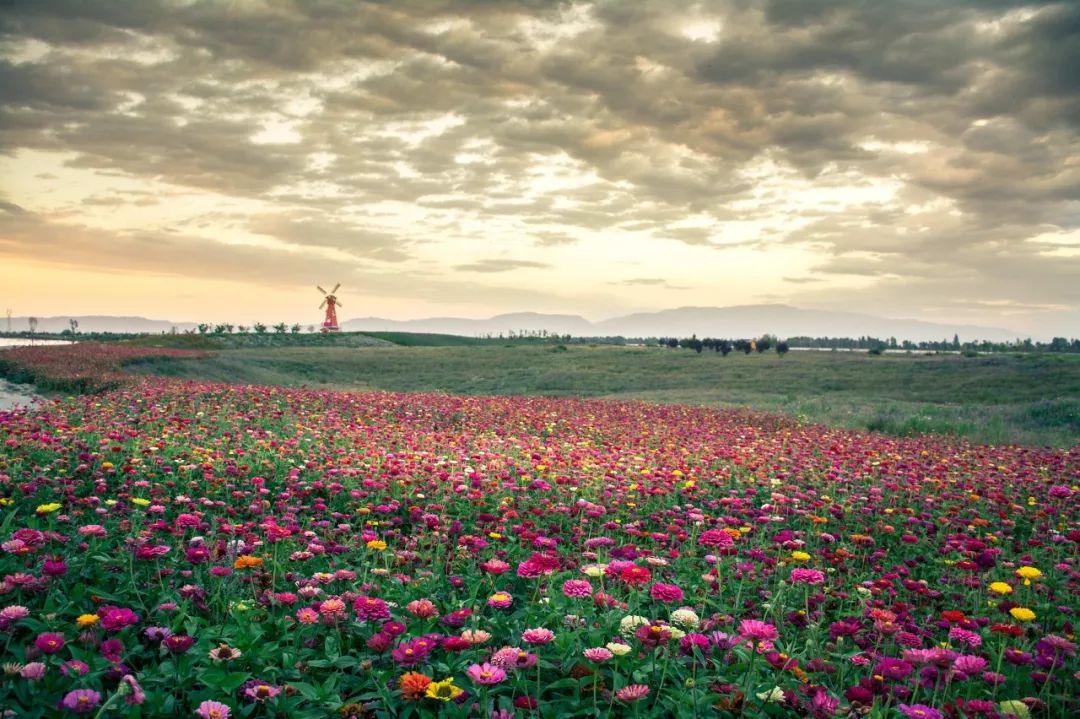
pixel 116 618
pixel 807 576
pixel 33 671
pixel 213 710
pixel 371 609
pixel 537 636
pixel 422 608
pixel 307 615
pixel 632 693
pixel 598 654
pixel 757 631
pixel 715 538
pixel 486 673
pixel 578 588
pixel 81 701
pixel 666 593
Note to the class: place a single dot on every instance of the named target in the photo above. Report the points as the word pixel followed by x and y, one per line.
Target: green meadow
pixel 1028 399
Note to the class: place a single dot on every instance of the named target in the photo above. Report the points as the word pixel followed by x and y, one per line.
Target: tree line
pixel 725 346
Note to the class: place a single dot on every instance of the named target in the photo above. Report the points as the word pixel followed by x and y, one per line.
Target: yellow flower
pixel 444 691
pixel 618 649
pixel 1000 588
pixel 1022 614
pixel 800 556
pixel 140 501
pixel 1028 573
pixel 48 508
pixel 86 620
pixel 377 544
pixel 6 501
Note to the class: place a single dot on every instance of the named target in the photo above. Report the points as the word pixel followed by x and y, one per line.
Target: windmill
pixel 331 303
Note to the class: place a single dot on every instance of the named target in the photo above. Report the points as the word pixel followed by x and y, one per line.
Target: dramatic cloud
pixel 908 158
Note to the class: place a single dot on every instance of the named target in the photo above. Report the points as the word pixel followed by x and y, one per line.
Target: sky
pixel 216 160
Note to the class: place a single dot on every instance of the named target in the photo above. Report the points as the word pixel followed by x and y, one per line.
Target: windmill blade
pixel 339 304
pixel 322 304
pixel 320 289
pixel 335 288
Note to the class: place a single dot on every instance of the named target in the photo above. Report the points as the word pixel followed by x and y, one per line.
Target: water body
pixel 15 395
pixel 23 342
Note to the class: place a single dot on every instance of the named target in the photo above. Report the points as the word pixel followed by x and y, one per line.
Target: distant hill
pixel 731 322
pixel 97 323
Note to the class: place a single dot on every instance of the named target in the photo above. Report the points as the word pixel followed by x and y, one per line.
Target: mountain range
pixel 731 322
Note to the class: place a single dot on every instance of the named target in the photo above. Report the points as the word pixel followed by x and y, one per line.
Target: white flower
pixel 630 623
pixel 618 649
pixel 685 618
pixel 776 694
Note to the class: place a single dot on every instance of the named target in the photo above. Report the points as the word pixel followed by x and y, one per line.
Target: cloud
pixel 906 144
pixel 649 282
pixel 495 265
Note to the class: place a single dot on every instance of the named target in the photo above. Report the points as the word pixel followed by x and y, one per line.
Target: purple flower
pixel 50 642
pixel 81 701
pixel 919 711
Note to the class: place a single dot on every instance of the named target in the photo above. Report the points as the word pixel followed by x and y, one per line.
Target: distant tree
pixel 33 323
pixel 723 347
pixel 219 329
pixel 228 328
pixel 203 328
pixel 763 344
pixel 259 327
pixel 956 341
pixel 242 329
pixel 672 343
pixel 74 324
pixel 311 328
pixel 782 348
pixel 295 329
pixel 744 346
pixel 1059 344
pixel 281 328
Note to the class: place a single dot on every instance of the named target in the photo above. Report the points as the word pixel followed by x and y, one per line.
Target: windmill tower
pixel 331 303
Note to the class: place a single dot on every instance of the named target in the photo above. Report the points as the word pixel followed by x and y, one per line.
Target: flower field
pixel 187 549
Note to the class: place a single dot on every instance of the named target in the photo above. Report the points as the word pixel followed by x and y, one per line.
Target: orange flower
pixel 413 685
pixel 246 561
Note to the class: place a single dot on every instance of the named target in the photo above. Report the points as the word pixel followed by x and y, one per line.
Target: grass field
pixel 1029 399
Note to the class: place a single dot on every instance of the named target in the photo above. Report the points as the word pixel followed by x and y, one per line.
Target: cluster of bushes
pixel 725 346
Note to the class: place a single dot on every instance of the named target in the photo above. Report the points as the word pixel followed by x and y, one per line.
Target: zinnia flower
pixel 414 685
pixel 486 673
pixel 81 701
pixel 1000 588
pixel 757 631
pixel 443 691
pixel 632 693
pixel 1022 614
pixel 537 636
pixel 210 709
pixel 598 654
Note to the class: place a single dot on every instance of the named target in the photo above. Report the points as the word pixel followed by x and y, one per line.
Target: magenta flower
pixel 179 643
pixel 486 673
pixel 757 631
pixel 918 711
pixel 33 671
pixel 801 575
pixel 371 609
pixel 213 710
pixel 50 642
pixel 666 593
pixel 116 618
pixel 577 588
pixel 81 701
